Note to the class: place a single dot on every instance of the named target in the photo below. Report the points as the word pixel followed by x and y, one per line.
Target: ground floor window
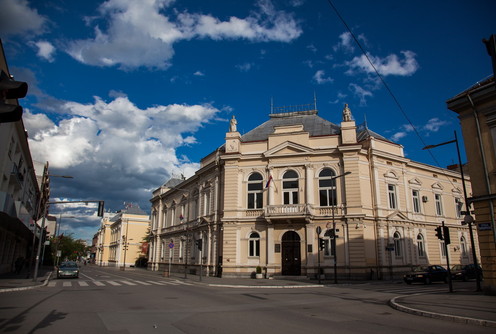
pixel 254 245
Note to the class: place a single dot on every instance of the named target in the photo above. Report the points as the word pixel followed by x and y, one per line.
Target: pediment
pixel 437 186
pixel 415 182
pixel 397 216
pixel 288 148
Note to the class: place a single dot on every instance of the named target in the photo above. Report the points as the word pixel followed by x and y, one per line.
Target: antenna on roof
pixel 314 100
pixel 271 104
pixel 365 117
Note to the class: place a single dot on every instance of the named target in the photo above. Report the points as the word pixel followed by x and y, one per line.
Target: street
pixel 108 300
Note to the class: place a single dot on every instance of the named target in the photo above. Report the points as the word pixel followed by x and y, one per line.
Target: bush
pixel 259 270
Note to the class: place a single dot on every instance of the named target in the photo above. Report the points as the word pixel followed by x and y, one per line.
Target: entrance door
pixel 291 255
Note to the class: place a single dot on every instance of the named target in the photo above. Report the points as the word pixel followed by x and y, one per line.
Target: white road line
pixel 128 283
pixel 51 284
pixel 82 283
pixel 169 282
pixel 98 283
pixel 141 282
pixel 157 283
pixel 113 283
pixel 67 284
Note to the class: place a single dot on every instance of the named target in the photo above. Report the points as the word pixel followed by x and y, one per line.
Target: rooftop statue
pixel 346 113
pixel 232 124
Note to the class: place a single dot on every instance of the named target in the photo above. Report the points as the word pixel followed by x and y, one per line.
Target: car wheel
pixel 427 280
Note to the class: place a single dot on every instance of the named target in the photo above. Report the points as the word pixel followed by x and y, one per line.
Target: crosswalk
pixel 101 283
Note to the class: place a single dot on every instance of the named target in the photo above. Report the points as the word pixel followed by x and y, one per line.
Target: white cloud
pixel 360 92
pixel 320 77
pixel 141 34
pixel 434 124
pixel 390 65
pixel 115 149
pixel 345 43
pixel 244 67
pixel 398 135
pixel 46 50
pixel 199 74
pixel 17 18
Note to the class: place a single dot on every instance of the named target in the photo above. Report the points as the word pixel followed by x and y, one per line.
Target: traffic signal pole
pixel 446 243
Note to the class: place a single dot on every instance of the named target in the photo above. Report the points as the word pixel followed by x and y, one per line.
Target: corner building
pixel 261 198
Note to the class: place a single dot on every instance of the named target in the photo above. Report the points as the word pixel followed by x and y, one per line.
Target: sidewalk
pixel 10 282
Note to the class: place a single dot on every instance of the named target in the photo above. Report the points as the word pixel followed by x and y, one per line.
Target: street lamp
pixel 334 235
pixel 468 219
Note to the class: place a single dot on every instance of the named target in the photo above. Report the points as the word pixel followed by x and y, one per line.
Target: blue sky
pixel 123 94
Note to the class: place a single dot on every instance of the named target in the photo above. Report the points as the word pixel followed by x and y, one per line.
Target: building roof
pixel 312 123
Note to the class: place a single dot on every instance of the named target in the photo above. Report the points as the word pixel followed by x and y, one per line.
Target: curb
pixel 442 316
pixel 47 279
pixel 266 286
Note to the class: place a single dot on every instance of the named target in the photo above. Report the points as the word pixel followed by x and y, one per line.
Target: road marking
pixel 98 283
pixel 128 283
pixel 157 283
pixel 169 282
pixel 67 284
pixel 82 283
pixel 113 283
pixel 51 284
pixel 141 282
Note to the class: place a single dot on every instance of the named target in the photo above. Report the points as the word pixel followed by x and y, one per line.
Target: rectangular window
pixel 416 201
pixel 255 200
pixel 392 196
pixel 443 249
pixel 439 205
pixel 254 247
pixel 291 197
pixel 329 244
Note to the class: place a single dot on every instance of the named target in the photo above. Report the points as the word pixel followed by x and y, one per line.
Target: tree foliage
pixel 70 248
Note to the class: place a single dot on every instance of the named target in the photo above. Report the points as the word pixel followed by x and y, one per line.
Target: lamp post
pixel 468 219
pixel 334 236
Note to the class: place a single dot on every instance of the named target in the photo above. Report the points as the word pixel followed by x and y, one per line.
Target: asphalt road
pixel 104 300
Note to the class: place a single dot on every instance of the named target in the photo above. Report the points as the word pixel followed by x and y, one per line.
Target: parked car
pixel 68 269
pixel 427 275
pixel 465 272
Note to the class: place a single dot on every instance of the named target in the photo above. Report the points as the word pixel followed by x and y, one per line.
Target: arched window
pixel 398 251
pixel 420 245
pixel 463 245
pixel 327 187
pixel 255 191
pixel 290 187
pixel 254 245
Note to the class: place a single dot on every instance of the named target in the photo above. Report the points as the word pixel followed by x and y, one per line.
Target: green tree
pixel 70 249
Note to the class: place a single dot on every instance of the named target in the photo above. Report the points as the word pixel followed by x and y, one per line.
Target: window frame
pixel 254 244
pixel 417 207
pixel 291 192
pixel 327 193
pixel 397 240
pixel 438 200
pixel 254 196
pixel 421 246
pixel 392 196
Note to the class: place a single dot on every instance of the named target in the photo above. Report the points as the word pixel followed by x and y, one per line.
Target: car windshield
pixel 68 265
pixel 420 269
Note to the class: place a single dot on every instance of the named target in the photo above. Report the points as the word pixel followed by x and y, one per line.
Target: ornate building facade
pixel 299 194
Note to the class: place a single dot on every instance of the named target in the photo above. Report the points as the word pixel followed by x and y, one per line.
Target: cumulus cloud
pixel 360 92
pixel 116 149
pixel 321 78
pixel 390 65
pixel 434 124
pixel 46 50
pixel 16 18
pixel 143 33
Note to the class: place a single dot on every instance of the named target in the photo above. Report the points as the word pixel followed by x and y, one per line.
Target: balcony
pixel 286 211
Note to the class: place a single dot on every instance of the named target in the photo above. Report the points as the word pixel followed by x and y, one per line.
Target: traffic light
pixel 446 235
pixel 439 233
pixel 10 90
pixel 198 244
pixel 322 244
pixel 100 208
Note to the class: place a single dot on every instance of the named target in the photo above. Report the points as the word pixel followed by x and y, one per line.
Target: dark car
pixel 427 275
pixel 465 272
pixel 68 269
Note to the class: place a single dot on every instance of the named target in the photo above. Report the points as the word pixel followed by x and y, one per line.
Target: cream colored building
pixel 128 230
pixel 476 109
pixel 261 198
pixel 102 242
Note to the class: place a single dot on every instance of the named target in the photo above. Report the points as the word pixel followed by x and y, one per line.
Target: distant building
pixel 276 196
pixel 103 240
pixel 476 109
pixel 19 189
pixel 128 230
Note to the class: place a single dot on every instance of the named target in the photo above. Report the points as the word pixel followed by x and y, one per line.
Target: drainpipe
pixel 483 156
pixel 374 210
